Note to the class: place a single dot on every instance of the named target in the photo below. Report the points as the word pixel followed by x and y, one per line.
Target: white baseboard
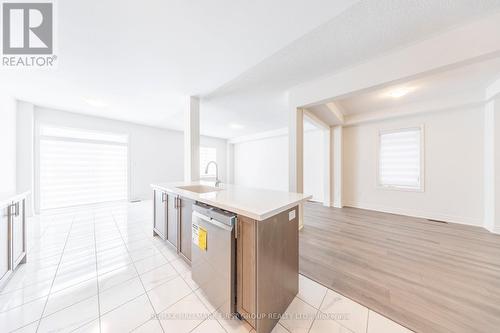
pixel 493 230
pixel 417 213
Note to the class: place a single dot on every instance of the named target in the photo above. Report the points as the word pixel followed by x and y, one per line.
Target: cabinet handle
pixel 163 196
pixel 17 208
pixel 11 210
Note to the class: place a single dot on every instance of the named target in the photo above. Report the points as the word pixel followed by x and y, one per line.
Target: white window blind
pixel 207 154
pixel 78 167
pixel 400 159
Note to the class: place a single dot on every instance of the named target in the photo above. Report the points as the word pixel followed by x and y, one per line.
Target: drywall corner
pixel 7 144
pixel 25 149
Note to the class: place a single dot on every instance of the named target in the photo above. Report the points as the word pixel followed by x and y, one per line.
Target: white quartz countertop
pixel 7 198
pixel 258 204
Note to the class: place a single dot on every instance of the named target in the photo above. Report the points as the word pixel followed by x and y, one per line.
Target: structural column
pixel 337 137
pixel 230 162
pixel 296 156
pixel 327 167
pixel 296 150
pixel 492 165
pixel 192 139
pixel 327 133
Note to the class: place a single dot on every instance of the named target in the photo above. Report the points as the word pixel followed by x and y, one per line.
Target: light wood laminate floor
pixel 426 275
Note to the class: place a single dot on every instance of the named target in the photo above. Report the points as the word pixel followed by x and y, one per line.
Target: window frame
pixel 381 186
pixel 204 176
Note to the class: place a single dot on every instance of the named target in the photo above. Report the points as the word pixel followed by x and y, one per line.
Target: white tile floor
pixel 98 269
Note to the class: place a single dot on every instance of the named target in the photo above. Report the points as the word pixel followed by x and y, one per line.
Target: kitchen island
pixel 261 253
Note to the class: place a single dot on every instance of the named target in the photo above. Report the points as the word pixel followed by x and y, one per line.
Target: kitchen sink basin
pixel 200 188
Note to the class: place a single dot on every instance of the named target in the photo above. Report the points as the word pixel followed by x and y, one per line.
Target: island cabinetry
pixel 185 208
pixel 267 268
pixel 246 268
pixel 166 216
pixel 257 253
pixel 160 211
pixel 172 221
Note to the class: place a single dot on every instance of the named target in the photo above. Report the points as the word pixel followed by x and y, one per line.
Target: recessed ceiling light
pixel 399 92
pixel 97 103
pixel 236 126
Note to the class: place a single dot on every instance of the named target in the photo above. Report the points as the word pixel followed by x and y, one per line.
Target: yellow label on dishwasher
pixel 202 239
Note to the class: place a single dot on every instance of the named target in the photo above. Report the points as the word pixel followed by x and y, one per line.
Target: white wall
pixel 7 145
pixel 25 150
pixel 262 163
pixel 453 168
pixel 156 155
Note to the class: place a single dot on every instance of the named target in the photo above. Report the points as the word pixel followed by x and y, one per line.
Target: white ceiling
pixel 473 78
pixel 143 58
pixel 367 29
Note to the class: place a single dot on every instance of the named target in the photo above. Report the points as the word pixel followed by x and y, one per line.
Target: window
pixel 207 154
pixel 78 167
pixel 400 159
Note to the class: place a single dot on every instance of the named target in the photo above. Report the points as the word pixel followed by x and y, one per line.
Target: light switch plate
pixel 291 215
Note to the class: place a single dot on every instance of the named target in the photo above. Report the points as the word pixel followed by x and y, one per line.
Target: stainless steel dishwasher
pixel 213 260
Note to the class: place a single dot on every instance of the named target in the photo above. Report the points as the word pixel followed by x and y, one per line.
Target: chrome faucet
pixel 217 181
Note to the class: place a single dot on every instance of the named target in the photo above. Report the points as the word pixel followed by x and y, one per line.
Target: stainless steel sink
pixel 200 188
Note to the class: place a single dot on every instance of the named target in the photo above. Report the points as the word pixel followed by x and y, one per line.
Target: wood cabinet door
pixel 186 213
pixel 5 266
pixel 246 276
pixel 160 227
pixel 18 239
pixel 172 219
